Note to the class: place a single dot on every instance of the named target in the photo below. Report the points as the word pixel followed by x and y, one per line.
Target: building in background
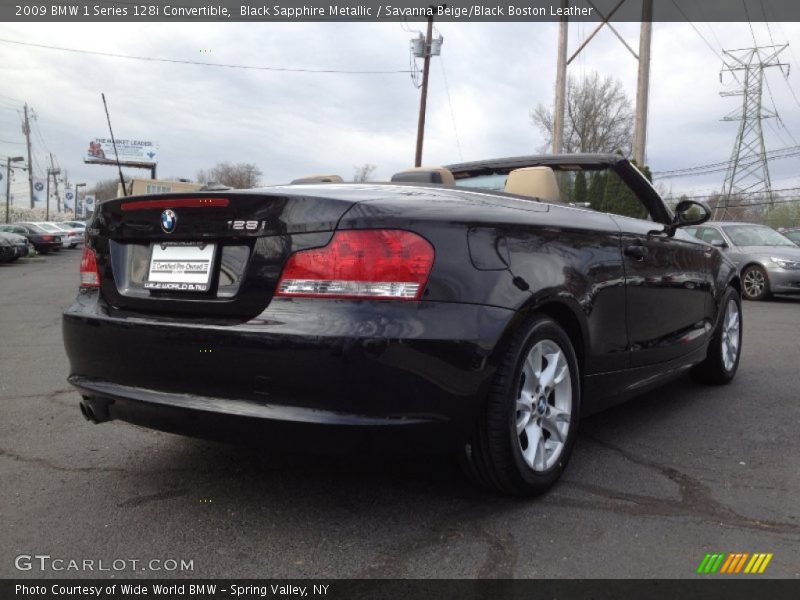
pixel 137 187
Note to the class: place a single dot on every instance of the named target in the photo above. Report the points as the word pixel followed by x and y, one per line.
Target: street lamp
pixel 8 179
pixel 77 185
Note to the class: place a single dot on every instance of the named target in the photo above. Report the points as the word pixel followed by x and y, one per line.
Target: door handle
pixel 636 251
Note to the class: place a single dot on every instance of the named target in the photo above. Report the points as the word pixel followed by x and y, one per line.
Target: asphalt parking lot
pixel 652 487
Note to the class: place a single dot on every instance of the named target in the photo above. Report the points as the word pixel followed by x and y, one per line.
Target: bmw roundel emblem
pixel 168 221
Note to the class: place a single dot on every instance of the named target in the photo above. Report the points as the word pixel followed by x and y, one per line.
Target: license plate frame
pixel 180 266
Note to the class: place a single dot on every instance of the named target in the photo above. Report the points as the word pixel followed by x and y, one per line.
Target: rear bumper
pixel 46 246
pixel 303 373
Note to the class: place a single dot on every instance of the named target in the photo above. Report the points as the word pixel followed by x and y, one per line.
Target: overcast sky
pixel 294 124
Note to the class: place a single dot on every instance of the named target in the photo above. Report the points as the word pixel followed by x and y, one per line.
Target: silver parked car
pixel 768 261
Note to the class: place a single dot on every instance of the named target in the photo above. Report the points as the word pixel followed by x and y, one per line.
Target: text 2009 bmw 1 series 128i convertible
pixel 481 309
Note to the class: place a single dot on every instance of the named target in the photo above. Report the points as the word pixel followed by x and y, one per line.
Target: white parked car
pixel 75 224
pixel 74 235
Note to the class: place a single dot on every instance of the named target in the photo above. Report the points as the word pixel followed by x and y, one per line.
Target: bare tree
pixel 238 176
pixel 599 116
pixel 105 190
pixel 363 173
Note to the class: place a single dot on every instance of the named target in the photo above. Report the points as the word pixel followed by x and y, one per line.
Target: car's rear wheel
pixel 525 436
pixel 755 283
pixel 725 348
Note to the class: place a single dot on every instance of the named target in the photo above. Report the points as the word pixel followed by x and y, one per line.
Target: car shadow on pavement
pixel 270 473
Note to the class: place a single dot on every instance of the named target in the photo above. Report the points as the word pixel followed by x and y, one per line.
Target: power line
pixel 702 37
pixel 778 200
pixel 206 64
pixel 452 113
pixel 749 22
pixel 17 100
pixel 700 169
pixel 785 74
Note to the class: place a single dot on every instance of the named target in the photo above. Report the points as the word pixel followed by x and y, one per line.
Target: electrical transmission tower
pixel 748 170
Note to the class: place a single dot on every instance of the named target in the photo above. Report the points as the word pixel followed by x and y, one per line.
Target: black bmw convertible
pixel 480 309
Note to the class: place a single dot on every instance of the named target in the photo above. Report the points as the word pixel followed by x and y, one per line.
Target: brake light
pixel 381 264
pixel 90 276
pixel 47 238
pixel 174 203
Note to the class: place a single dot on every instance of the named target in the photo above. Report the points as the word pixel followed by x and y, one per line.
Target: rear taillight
pixel 90 276
pixel 381 264
pixel 47 238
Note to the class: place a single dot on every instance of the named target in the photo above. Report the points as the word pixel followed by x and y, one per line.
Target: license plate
pixel 184 267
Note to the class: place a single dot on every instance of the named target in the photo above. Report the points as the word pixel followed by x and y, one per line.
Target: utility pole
pixel 77 185
pixel 26 129
pixel 66 187
pixel 51 172
pixel 748 171
pixel 47 198
pixel 561 84
pixel 643 85
pixel 640 131
pixel 55 181
pixel 423 100
pixel 9 160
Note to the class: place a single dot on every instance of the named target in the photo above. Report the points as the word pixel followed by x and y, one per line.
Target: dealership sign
pixel 101 150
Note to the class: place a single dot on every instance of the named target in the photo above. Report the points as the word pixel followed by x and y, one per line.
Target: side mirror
pixel 719 243
pixel 688 212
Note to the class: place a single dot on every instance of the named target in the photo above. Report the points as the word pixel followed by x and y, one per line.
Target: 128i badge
pixel 247 225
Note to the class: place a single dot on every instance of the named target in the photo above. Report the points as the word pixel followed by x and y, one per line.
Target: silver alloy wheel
pixel 544 405
pixel 731 327
pixel 754 282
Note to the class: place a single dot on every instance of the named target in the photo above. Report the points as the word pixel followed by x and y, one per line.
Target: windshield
pixel 495 182
pixel 756 235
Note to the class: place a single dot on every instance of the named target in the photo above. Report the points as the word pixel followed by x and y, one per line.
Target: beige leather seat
pixel 318 179
pixel 536 182
pixel 438 175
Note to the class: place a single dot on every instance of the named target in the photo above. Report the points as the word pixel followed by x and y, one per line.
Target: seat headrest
pixel 319 179
pixel 536 182
pixel 425 175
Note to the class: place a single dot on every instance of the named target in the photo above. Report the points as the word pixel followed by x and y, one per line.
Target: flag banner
pixel 39 193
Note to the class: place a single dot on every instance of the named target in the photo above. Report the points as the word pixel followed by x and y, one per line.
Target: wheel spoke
pixel 533 363
pixel 549 374
pixel 524 411
pixel 556 421
pixel 534 433
pixel 541 454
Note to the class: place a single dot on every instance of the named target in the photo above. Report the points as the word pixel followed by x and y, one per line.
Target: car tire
pixel 527 430
pixel 725 348
pixel 755 283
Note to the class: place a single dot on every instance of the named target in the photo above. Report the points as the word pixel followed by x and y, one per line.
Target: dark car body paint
pixel 212 364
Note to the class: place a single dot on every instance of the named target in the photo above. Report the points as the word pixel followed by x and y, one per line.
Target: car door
pixel 667 291
pixel 666 281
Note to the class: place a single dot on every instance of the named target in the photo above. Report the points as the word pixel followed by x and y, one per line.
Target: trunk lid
pixel 214 254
